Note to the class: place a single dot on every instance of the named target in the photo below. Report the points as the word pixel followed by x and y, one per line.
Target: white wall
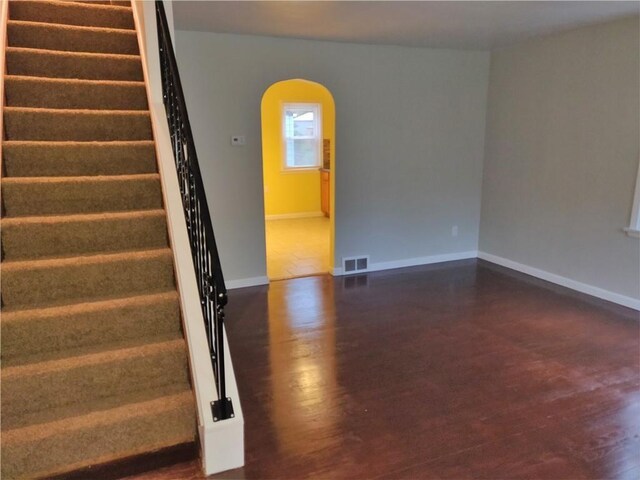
pixel 409 145
pixel 562 153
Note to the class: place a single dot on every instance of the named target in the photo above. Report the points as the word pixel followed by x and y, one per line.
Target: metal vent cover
pixel 355 264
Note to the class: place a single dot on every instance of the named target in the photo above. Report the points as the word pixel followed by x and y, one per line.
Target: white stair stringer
pixel 221 442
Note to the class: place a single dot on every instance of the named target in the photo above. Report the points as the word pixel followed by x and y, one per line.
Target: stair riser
pixel 86 385
pixel 62 197
pixel 77 159
pixel 34 287
pixel 47 239
pixel 76 125
pixel 40 93
pixel 50 336
pixel 70 39
pixel 71 14
pixel 78 448
pixel 41 63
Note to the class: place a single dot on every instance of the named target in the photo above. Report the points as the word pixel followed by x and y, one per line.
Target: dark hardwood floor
pixel 450 371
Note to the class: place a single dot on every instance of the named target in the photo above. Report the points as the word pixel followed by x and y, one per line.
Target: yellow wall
pixel 293 191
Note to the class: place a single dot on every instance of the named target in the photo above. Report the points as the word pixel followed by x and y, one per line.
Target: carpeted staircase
pixel 94 365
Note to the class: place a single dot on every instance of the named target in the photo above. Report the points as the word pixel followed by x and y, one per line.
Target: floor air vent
pixel 355 264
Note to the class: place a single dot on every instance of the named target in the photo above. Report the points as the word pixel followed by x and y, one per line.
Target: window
pixel 301 128
pixel 634 224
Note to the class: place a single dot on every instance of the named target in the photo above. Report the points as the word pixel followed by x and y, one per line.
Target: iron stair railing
pixel 213 293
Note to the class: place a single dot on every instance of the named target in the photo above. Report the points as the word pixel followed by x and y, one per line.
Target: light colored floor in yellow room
pixel 297 247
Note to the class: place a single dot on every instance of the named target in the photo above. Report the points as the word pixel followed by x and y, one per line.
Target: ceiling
pixel 453 24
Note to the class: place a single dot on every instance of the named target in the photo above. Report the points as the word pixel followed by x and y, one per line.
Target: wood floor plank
pixel 456 370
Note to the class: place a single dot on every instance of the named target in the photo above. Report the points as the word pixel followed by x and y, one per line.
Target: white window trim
pixel 634 224
pixel 318 108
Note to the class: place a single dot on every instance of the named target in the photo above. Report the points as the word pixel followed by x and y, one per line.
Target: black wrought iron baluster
pixel 209 278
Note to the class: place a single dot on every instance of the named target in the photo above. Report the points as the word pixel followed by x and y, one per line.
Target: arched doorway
pixel 298 156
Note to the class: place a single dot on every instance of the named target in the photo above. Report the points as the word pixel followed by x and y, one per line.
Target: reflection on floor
pixel 297 247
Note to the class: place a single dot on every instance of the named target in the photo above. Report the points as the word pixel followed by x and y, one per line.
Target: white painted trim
pixel 411 262
pixel 623 300
pixel 221 443
pixel 317 137
pixel 246 282
pixel 285 216
pixel 634 222
pixel 632 232
pixel 563 281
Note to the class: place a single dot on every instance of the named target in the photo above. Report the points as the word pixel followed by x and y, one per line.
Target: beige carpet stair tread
pixel 101 2
pixel 23 123
pixel 49 158
pixel 72 38
pixel 54 236
pixel 87 308
pixel 10 374
pixel 33 196
pixel 60 281
pixel 37 92
pixel 47 333
pixel 60 412
pixel 80 381
pixel 59 64
pixel 122 3
pixel 86 14
pixel 98 437
pixel 95 419
pixel 90 2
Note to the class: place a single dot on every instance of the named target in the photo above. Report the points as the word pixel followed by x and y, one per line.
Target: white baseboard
pixel 563 281
pixel 246 282
pixel 413 262
pixel 284 216
pixel 623 300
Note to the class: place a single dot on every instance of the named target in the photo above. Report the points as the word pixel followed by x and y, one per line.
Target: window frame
pixel 317 108
pixel 634 223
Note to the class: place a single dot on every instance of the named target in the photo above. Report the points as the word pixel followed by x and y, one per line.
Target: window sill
pixel 632 232
pixel 300 169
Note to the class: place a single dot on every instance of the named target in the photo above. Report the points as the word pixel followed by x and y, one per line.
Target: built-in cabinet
pixel 325 191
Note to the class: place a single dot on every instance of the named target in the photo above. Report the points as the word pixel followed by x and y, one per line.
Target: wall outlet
pixel 454 231
pixel 237 140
